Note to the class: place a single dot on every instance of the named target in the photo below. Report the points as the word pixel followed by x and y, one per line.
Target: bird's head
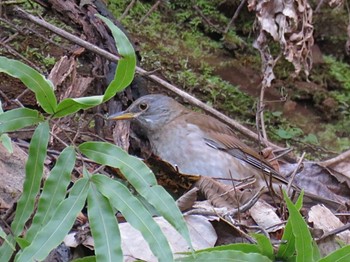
pixel 151 112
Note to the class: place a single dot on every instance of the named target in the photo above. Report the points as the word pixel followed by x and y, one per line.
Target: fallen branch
pixel 335 160
pixel 194 101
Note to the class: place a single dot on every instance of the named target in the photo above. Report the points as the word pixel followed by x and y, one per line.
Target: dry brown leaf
pixel 222 195
pixel 317 180
pixel 187 200
pixel 268 154
pixel 323 218
pixel 290 24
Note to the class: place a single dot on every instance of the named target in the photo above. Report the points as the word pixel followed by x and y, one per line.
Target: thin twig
pixel 340 158
pixel 127 10
pixel 199 11
pixel 235 15
pixel 285 152
pixel 154 7
pixel 290 183
pixel 334 232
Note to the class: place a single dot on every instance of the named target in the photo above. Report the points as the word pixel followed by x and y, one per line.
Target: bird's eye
pixel 143 106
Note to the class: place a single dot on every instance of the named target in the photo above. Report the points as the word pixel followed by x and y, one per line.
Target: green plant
pixel 56 213
pixel 341 72
pixel 297 245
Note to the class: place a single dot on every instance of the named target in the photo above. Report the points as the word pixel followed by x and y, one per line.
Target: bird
pixel 196 143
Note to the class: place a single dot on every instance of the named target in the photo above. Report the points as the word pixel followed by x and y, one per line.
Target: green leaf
pixel 104 227
pixel 72 105
pixel 133 168
pixel 136 214
pixel 6 142
pixel 18 118
pixel 340 255
pixel 126 65
pixel 311 138
pixel 54 191
pixel 303 240
pixel 264 245
pixel 34 171
pixel 243 247
pixel 85 259
pixel 53 232
pixel 287 250
pixel 4 138
pixel 23 243
pixel 6 249
pixel 36 82
pixel 141 178
pixel 225 256
pixel 4 237
pixel 124 75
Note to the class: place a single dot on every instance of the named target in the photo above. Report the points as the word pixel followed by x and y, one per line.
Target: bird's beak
pixel 122 116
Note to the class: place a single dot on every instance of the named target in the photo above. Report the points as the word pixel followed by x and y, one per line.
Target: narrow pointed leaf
pixel 142 179
pixel 104 227
pixel 85 259
pixel 126 65
pixel 136 214
pixel 54 191
pixel 124 75
pixel 6 249
pixel 34 171
pixel 52 234
pixel 225 256
pixel 264 245
pixel 287 250
pixel 18 118
pixel 243 247
pixel 72 105
pixel 303 240
pixel 36 82
pixel 4 237
pixel 340 255
pixel 6 142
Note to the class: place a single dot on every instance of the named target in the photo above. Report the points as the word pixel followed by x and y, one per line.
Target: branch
pixel 194 101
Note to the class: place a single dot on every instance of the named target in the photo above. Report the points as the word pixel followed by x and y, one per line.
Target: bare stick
pixel 149 12
pixel 290 183
pixel 235 15
pixel 199 11
pixel 127 9
pixel 194 101
pixel 336 159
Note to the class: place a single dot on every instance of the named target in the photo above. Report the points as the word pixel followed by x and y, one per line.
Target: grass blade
pixel 340 255
pixel 303 240
pixel 287 250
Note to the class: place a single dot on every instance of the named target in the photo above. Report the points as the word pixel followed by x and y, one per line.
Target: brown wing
pixel 222 137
